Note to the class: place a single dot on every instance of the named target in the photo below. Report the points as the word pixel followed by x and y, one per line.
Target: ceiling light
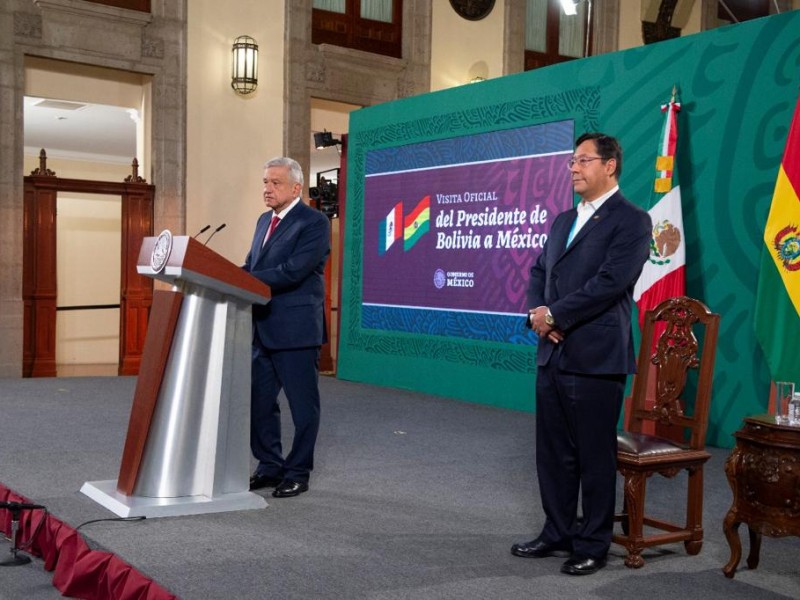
pixel 59 104
pixel 569 7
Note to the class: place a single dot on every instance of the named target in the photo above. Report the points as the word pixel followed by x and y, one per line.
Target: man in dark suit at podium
pixel 288 253
pixel 581 295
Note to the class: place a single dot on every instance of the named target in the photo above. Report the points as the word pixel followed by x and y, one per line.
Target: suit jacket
pixel 292 263
pixel 589 287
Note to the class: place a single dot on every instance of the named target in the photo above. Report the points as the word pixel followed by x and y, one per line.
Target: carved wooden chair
pixel 639 454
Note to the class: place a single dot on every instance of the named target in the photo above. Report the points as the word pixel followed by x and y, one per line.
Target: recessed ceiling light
pixel 59 104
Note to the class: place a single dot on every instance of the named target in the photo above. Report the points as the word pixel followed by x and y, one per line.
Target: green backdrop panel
pixel 738 86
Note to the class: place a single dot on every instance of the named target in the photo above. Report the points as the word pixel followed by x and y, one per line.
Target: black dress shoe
pixel 258 482
pixel 288 488
pixel 538 549
pixel 583 565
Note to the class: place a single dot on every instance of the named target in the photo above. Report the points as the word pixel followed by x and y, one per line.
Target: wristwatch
pixel 548 318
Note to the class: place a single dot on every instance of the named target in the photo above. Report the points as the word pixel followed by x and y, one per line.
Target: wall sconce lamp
pixel 244 65
pixel 324 139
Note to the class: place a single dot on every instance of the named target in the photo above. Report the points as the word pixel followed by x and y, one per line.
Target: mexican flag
pixel 777 313
pixel 390 229
pixel 664 273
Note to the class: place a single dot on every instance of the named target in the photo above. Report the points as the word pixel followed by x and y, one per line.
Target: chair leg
pixel 634 492
pixel 694 511
pixel 755 548
pixel 624 519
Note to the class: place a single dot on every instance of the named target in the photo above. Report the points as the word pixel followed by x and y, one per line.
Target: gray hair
pixel 295 170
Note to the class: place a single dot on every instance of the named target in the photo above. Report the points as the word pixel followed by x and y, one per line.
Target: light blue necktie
pixel 584 214
pixel 572 232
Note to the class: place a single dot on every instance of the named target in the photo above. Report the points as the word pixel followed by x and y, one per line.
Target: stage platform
pixel 412 497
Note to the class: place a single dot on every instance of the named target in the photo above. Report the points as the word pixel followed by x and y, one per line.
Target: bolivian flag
pixel 417 223
pixel 777 314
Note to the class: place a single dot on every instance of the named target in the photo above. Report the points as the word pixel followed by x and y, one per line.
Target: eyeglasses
pixel 582 161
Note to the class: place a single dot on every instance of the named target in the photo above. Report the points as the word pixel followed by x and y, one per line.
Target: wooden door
pixel 39 285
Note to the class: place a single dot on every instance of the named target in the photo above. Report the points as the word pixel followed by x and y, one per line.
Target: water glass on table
pixel 784 391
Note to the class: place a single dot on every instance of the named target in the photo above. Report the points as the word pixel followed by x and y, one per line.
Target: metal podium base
pixel 106 494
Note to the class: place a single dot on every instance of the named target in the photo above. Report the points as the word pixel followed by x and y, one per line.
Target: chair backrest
pixel 668 360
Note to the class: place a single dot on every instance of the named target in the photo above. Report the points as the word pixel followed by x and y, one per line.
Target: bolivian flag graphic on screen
pixel 417 223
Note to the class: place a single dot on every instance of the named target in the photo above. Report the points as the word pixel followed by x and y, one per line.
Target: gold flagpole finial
pixel 674 92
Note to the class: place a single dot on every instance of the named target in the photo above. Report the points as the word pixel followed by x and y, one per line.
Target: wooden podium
pixel 187 450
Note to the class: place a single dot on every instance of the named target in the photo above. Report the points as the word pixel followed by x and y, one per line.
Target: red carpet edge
pixel 78 571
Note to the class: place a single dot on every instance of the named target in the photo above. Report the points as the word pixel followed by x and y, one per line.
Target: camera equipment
pixel 325 194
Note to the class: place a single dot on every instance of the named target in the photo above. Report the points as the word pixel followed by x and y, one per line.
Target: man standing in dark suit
pixel 289 250
pixel 581 294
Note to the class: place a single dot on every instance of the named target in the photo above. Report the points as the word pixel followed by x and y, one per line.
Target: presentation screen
pixel 453 226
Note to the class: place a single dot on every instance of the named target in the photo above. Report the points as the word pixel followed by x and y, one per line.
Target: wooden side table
pixel 764 474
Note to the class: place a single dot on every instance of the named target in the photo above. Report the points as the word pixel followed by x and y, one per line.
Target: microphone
pixel 213 233
pixel 15 508
pixel 203 230
pixel 20 506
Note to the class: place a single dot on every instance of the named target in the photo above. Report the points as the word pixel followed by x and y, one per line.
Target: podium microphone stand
pixel 15 508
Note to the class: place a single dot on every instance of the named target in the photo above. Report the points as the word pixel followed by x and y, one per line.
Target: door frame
pixel 39 280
